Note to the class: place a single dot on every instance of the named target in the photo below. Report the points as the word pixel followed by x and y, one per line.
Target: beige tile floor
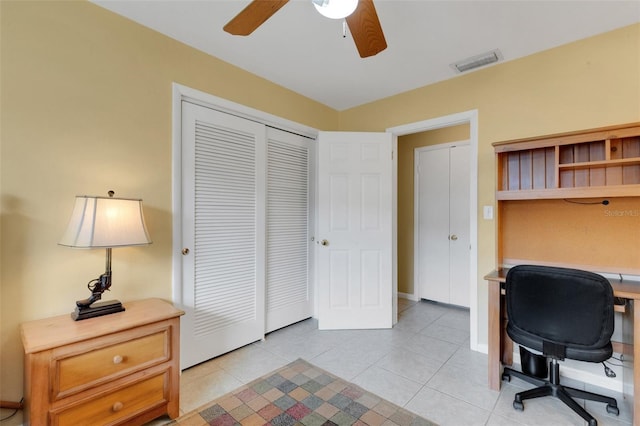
pixel 423 364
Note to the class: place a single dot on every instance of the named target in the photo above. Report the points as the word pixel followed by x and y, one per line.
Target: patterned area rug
pixel 300 394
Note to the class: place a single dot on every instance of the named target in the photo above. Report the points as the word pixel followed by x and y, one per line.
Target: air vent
pixel 477 61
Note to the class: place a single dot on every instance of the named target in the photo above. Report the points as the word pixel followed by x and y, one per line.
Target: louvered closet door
pixel 288 292
pixel 223 229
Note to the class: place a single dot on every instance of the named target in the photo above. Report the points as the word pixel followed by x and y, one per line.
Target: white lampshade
pixel 335 9
pixel 101 222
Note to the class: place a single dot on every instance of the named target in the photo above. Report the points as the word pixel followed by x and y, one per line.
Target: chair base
pixel 552 387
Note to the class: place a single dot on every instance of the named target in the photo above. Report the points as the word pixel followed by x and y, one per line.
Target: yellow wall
pixel 590 83
pixel 406 166
pixel 86 107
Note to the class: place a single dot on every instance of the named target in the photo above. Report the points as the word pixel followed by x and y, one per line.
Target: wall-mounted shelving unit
pixel 591 163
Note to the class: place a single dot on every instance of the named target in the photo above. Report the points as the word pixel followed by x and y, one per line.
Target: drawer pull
pixel 117 359
pixel 117 406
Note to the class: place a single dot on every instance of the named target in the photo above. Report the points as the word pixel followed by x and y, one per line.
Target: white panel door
pixel 355 230
pixel 459 245
pixel 432 221
pixel 289 225
pixel 223 233
pixel 442 224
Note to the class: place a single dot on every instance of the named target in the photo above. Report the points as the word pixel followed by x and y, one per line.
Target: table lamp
pixel 104 222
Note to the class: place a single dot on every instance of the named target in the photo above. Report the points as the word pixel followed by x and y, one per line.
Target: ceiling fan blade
pixel 365 29
pixel 252 16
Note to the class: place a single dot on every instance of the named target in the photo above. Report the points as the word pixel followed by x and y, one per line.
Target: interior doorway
pixel 469 121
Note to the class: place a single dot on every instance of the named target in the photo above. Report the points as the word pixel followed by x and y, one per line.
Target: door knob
pixel 324 243
pixel 185 251
pixel 453 237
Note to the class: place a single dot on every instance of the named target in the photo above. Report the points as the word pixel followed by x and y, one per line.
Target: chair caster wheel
pixel 612 409
pixel 518 405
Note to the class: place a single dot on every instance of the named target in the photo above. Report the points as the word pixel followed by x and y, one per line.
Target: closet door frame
pixel 183 93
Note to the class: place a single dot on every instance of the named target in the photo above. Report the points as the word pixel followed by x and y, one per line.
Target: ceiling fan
pixel 363 23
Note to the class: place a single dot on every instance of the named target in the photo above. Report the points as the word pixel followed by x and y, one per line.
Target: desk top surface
pixel 626 289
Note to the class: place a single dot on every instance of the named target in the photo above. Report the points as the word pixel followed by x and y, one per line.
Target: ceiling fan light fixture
pixel 477 61
pixel 335 9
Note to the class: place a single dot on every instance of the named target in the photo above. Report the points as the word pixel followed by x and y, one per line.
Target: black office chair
pixel 563 313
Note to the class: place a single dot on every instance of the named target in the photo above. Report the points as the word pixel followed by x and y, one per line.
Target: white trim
pixel 442 145
pixel 176 199
pixel 470 117
pixel 394 228
pixel 229 107
pixel 314 239
pixel 408 296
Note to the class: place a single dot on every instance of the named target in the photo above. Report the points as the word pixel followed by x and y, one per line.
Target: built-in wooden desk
pixel 501 346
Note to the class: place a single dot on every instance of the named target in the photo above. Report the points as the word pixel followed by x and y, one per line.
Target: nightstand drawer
pixel 77 368
pixel 116 406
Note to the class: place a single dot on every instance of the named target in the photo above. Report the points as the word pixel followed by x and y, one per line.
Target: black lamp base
pixel 97 310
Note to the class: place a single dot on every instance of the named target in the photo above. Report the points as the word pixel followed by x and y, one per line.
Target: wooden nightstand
pixel 122 368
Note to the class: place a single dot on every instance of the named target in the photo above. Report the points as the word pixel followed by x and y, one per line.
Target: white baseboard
pixel 408 296
pixel 482 348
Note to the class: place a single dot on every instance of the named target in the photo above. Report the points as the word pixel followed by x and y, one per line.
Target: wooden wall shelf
pixel 600 164
pixel 593 163
pixel 569 193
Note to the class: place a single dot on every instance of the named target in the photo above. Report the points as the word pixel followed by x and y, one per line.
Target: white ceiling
pixel 299 49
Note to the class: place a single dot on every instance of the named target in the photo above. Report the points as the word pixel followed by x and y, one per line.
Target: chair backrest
pixel 562 306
